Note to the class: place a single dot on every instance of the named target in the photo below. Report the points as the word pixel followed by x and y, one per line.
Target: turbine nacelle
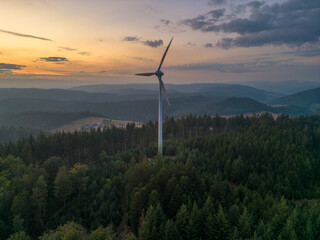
pixel 159 73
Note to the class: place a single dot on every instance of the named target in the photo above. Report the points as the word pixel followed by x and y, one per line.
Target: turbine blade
pixel 164 55
pixel 164 91
pixel 145 74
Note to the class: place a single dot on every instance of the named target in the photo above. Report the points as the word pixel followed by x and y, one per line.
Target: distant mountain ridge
pixel 145 110
pixel 49 108
pixel 124 92
pixel 284 87
pixel 308 99
pixel 56 94
pixel 213 89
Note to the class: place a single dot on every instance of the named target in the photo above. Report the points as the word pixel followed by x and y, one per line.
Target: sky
pixel 45 43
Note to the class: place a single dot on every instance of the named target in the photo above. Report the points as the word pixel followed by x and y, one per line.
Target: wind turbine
pixel 159 74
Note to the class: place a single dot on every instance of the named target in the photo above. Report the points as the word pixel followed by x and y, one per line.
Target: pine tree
pixel 182 219
pixel 194 227
pixel 307 231
pixel 138 202
pixel 233 215
pixel 290 225
pixel 171 231
pixel 153 224
pixel 255 237
pixel 19 236
pixel 153 198
pixel 244 224
pixel 209 230
pixel 39 200
pixel 222 227
pixel 62 185
pixel 18 224
pixel 79 178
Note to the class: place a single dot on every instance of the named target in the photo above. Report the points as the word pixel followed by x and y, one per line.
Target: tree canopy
pixel 220 178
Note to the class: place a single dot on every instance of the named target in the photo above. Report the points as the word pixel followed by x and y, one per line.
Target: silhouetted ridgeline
pixel 237 178
pixel 307 99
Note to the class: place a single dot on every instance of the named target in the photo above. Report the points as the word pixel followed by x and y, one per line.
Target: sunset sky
pixel 72 42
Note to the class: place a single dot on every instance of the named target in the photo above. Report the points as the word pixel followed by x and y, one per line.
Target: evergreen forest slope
pixel 237 178
pixel 307 99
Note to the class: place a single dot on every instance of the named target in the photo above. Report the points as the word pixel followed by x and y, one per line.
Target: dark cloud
pixel 224 43
pixel 191 44
pixel 205 21
pixel 58 60
pixel 165 21
pixel 244 67
pixel 154 44
pixel 24 35
pixel 101 72
pixel 167 25
pixel 150 43
pixel 84 53
pixel 216 2
pixel 7 67
pixel 290 37
pixel 304 53
pixel 197 23
pixel 131 39
pixel 255 4
pixel 208 45
pixel 238 9
pixel 292 23
pixel 216 14
pixel 68 49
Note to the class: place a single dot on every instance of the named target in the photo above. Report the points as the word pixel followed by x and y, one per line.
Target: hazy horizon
pixel 69 84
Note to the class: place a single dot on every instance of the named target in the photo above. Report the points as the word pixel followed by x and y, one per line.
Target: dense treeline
pixel 86 146
pixel 15 133
pixel 237 178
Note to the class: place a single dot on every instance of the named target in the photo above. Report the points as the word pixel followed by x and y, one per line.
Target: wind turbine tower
pixel 162 89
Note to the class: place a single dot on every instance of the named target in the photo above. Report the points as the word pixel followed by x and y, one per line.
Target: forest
pixel 254 178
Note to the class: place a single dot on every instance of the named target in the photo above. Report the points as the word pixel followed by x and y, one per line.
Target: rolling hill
pixel 138 110
pixel 115 95
pixel 44 120
pixel 205 89
pixel 283 87
pixel 55 94
pixel 308 99
pixel 48 109
pixel 49 114
pixel 124 92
